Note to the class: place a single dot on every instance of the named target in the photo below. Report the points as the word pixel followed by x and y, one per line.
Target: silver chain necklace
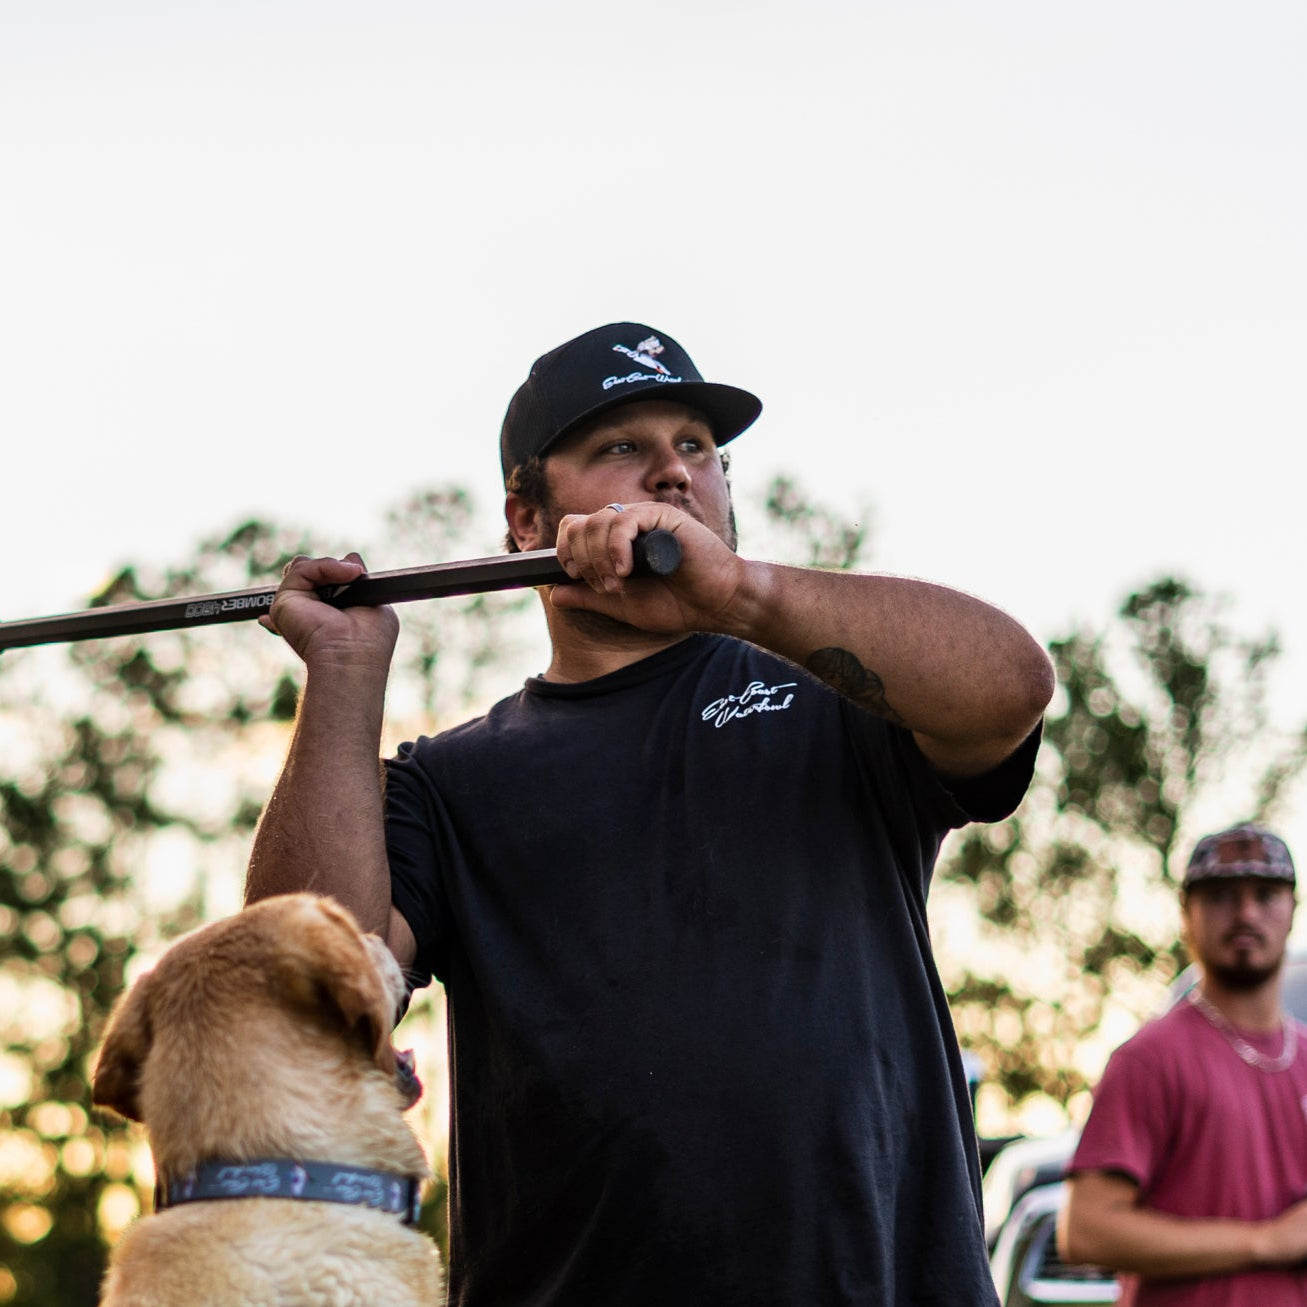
pixel 1251 1055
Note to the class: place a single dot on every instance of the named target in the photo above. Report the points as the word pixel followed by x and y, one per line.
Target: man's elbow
pixel 1030 688
pixel 1072 1246
pixel 1017 703
pixel 1087 1224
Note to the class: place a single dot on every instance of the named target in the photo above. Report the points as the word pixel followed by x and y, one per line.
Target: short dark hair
pixel 527 481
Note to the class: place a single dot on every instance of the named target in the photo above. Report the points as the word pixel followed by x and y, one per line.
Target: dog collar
pixel 278 1177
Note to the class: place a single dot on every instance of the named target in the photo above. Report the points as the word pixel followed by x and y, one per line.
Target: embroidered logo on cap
pixel 644 354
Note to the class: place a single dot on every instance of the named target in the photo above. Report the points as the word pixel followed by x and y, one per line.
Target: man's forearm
pixel 1158 1246
pixel 966 678
pixel 323 827
pixel 1103 1223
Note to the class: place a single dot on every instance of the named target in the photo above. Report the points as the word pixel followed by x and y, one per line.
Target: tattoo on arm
pixel 840 669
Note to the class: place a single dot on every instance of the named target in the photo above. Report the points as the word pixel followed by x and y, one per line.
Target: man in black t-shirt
pixel 699 1050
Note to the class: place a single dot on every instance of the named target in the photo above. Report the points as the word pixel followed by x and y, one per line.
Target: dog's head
pixel 296 956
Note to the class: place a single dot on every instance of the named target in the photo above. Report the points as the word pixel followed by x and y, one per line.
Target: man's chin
pixel 1243 977
pixel 599 626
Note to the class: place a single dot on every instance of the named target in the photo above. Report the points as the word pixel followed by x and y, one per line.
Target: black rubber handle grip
pixel 656 553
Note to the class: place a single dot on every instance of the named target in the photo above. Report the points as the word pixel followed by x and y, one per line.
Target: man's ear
pixel 1186 925
pixel 526 523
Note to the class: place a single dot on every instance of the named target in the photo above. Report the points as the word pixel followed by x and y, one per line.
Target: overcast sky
pixel 1026 279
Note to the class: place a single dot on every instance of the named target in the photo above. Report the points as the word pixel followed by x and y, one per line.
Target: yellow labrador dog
pixel 258 1055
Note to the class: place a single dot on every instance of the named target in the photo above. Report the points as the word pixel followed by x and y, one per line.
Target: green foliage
pixel 1059 925
pixel 132 772
pixel 811 535
pixel 451 653
pixel 1056 930
pixel 69 922
pixel 131 776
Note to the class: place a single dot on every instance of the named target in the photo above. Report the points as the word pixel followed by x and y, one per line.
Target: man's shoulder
pixel 1161 1038
pixel 464 735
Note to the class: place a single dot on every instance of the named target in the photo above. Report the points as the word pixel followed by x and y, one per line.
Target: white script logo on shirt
pixel 754 698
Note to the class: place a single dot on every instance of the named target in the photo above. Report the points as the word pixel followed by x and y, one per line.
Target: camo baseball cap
pixel 1245 850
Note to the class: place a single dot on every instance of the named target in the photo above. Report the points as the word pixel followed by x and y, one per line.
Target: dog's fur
pixel 267 1035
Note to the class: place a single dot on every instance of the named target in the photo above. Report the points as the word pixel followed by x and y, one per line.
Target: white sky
pixel 1027 279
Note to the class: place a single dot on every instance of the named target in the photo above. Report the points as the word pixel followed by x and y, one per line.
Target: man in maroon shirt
pixel 1191 1173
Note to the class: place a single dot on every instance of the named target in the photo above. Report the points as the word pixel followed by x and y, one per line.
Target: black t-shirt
pixel 699 1049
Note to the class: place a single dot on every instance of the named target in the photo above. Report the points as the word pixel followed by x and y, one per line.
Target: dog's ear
pixel 117 1080
pixel 330 966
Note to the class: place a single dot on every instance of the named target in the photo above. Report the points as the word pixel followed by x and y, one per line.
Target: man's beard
pixel 1244 977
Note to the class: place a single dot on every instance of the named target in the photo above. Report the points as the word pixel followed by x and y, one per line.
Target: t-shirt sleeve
pixel 412 820
pixel 995 794
pixel 1127 1132
pixel 949 803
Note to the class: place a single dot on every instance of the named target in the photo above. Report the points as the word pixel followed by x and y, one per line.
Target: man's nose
pixel 668 471
pixel 1248 903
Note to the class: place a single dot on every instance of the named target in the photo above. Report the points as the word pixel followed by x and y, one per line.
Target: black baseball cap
pixel 608 366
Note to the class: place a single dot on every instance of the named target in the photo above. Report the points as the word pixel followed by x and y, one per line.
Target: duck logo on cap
pixel 646 350
pixel 644 354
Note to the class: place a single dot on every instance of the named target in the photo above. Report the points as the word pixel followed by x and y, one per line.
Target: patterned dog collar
pixel 277 1177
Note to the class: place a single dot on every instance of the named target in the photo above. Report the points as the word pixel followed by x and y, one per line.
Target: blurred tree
pixel 68 924
pixel 131 775
pixel 811 535
pixel 1057 929
pixel 132 772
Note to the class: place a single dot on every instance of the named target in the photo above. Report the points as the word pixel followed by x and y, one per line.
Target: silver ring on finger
pixel 617 508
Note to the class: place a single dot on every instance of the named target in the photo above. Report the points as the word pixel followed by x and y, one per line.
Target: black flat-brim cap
pixel 607 367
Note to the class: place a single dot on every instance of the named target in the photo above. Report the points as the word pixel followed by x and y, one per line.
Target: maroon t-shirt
pixel 1203 1134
